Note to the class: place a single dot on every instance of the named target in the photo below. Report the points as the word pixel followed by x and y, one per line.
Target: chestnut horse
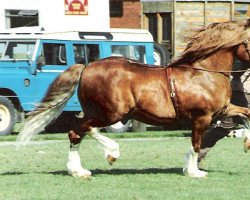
pixel 195 86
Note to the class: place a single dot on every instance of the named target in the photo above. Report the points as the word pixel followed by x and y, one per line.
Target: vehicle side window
pixel 2 48
pixel 54 54
pixel 86 53
pixel 135 52
pixel 19 50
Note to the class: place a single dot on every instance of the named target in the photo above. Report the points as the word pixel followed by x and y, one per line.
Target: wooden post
pixel 174 28
pixel 232 10
pixel 159 27
pixel 205 13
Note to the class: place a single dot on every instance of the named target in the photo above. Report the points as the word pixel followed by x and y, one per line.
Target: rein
pixel 225 73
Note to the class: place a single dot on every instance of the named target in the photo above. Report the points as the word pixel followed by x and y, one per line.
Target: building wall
pixel 131 16
pixel 52 14
pixel 193 15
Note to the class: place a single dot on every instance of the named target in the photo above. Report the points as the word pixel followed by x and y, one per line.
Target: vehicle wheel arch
pixel 13 97
pixel 8 115
pixel 162 53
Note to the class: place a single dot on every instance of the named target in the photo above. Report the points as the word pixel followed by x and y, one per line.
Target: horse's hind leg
pixel 74 166
pixel 74 163
pixel 111 148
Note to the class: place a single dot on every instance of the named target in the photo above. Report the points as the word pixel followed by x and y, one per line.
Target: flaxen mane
pixel 209 40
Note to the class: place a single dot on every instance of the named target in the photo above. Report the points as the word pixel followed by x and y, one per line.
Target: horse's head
pixel 243 49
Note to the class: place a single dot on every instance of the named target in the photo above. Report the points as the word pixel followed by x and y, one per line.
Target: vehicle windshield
pixel 16 50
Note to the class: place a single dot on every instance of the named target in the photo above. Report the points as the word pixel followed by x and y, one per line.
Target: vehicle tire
pixel 7 116
pixel 119 127
pixel 161 55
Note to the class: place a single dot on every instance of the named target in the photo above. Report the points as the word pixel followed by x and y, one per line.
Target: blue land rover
pixel 31 58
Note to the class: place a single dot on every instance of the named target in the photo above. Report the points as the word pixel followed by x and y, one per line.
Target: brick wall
pixel 131 15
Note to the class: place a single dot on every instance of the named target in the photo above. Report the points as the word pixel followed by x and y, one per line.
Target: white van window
pixel 2 48
pixel 135 52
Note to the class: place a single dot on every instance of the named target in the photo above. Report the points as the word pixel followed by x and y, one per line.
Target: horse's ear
pixel 247 25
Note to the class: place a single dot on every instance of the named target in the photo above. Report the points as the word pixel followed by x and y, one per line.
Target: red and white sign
pixel 76 7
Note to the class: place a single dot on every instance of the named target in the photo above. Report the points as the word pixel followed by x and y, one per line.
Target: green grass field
pixel 149 168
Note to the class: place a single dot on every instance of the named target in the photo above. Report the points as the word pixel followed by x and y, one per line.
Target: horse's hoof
pixel 86 177
pixel 82 176
pixel 80 173
pixel 196 174
pixel 246 145
pixel 111 159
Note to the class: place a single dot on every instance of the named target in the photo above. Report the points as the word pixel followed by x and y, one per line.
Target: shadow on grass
pixel 126 171
pixel 177 171
pixel 225 172
pixel 12 173
pixel 96 172
pixel 138 171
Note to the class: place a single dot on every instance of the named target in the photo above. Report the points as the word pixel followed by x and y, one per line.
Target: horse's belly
pixel 155 108
pixel 152 118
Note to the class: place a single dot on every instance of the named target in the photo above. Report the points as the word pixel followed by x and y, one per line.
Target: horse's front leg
pixel 233 110
pixel 111 148
pixel 210 138
pixel 191 166
pixel 246 135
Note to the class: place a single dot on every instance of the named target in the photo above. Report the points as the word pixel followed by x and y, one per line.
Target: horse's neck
pixel 221 60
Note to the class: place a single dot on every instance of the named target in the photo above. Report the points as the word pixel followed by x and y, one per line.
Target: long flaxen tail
pixel 52 103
